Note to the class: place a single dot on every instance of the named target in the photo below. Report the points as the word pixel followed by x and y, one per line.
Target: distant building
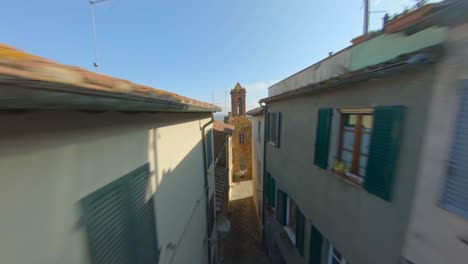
pixel 241 137
pixel 96 169
pixel 366 151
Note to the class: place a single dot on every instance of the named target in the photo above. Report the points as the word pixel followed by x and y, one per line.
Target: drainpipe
pixel 207 189
pixel 265 131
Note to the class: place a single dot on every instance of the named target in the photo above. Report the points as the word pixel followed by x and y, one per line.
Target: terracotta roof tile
pixel 255 112
pixel 18 65
pixel 239 121
pixel 220 126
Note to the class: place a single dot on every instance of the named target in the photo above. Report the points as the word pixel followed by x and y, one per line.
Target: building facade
pixel 258 131
pixel 99 170
pixel 356 150
pixel 241 137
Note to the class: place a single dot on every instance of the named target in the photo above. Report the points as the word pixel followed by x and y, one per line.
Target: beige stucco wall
pixel 49 161
pixel 257 165
pixel 434 235
pixel 365 228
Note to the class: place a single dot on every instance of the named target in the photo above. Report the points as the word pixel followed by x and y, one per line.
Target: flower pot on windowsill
pixel 407 19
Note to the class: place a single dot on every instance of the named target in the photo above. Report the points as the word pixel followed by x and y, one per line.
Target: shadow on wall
pixel 165 197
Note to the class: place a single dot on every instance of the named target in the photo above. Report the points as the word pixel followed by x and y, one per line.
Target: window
pixel 274 128
pixel 241 138
pixel 334 256
pixel 242 164
pixel 367 145
pixel 259 131
pixel 354 140
pixel 291 218
pixel 119 221
pixel 209 147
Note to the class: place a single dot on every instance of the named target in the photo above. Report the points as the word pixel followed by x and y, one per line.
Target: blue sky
pixel 199 49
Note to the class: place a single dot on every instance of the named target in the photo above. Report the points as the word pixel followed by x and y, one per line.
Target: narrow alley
pixel 243 244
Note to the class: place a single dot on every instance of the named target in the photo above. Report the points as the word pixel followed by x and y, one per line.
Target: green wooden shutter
pixel 143 215
pixel 107 218
pixel 300 225
pixel 322 137
pixel 209 147
pixel 267 126
pixel 120 222
pixel 272 192
pixel 282 204
pixel 383 150
pixel 278 129
pixel 316 242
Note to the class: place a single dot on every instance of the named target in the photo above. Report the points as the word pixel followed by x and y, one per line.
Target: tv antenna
pixel 92 3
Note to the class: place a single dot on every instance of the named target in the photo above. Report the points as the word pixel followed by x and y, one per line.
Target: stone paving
pixel 243 244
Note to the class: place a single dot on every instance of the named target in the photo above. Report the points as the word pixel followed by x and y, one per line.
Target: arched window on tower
pixel 239 106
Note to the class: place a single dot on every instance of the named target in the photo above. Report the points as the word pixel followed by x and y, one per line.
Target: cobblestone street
pixel 243 244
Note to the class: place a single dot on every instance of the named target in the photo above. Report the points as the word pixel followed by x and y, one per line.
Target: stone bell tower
pixel 238 100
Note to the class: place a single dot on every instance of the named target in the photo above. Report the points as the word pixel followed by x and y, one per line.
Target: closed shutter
pixel 322 137
pixel 209 147
pixel 383 150
pixel 106 214
pixel 267 126
pixel 282 207
pixel 266 184
pixel 143 210
pixel 120 222
pixel 272 192
pixel 316 242
pixel 456 188
pixel 300 225
pixel 278 129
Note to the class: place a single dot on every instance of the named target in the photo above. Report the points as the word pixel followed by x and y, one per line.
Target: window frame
pixel 242 163
pixel 290 225
pixel 331 255
pixel 356 152
pixel 241 138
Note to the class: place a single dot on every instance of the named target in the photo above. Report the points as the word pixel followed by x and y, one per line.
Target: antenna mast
pixel 366 17
pixel 93 22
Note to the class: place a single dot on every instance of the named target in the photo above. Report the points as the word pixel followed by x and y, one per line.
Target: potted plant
pixel 406 19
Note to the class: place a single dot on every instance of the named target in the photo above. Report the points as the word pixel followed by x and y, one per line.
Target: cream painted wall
pixel 49 161
pixel 434 234
pixel 364 228
pixel 257 165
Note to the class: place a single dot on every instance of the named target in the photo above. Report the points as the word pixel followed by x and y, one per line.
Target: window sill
pixel 345 178
pixel 290 234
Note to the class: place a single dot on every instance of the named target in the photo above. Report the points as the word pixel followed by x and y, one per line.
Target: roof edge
pixel 405 61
